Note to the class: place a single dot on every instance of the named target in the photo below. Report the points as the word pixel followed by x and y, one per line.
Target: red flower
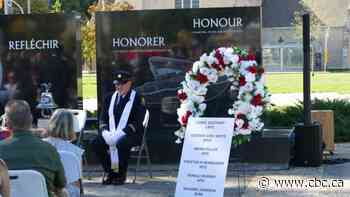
pixel 219 57
pixel 202 78
pixel 251 57
pixel 184 119
pixel 182 95
pixel 257 100
pixel 242 81
pixel 261 70
pixel 241 116
pixel 252 69
pixel 240 58
pixel 217 67
pixel 244 118
pixel 245 125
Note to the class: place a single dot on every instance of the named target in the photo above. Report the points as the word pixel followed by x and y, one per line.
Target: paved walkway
pixel 163 182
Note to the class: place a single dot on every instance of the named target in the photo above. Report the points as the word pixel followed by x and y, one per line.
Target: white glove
pixel 118 135
pixel 112 138
pixel 107 136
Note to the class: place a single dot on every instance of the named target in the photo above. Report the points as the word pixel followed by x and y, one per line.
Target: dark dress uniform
pixel 133 130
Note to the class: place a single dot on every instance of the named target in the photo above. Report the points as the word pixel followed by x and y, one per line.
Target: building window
pixel 186 3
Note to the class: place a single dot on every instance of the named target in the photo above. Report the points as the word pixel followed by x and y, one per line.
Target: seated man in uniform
pixel 121 125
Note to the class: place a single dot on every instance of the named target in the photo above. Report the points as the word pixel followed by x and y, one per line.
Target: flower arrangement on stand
pixel 245 75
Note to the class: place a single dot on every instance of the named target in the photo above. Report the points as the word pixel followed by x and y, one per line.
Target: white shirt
pixel 64 145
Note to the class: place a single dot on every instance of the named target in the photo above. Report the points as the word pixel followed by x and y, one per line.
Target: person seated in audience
pixel 4 180
pixel 24 151
pixel 61 134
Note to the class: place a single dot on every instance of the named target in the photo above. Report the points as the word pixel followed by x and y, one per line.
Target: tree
pixel 56 7
pixel 317 27
pixel 36 6
pixel 315 23
pixel 89 32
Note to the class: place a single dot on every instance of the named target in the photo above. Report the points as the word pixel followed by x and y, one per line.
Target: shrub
pixel 288 116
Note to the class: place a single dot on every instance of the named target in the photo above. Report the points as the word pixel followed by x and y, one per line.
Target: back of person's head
pixel 18 115
pixel 61 125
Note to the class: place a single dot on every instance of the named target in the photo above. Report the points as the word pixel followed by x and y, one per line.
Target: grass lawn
pixel 276 82
pixel 89 86
pixel 320 82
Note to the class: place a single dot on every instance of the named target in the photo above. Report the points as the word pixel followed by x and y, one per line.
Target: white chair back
pixel 27 182
pixel 71 165
pixel 79 119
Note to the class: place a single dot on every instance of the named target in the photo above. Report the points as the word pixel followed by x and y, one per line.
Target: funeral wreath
pixel 246 77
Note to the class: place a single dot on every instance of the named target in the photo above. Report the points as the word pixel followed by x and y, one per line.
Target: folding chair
pixel 73 172
pixel 27 182
pixel 142 150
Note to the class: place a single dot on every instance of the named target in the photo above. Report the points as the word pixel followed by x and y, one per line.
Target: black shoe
pixel 118 181
pixel 109 179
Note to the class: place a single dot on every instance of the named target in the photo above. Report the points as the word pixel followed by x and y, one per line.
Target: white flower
pixel 204 70
pixel 244 65
pixel 196 88
pixel 256 124
pixel 222 49
pixel 228 72
pixel 239 123
pixel 252 62
pixel 193 85
pixel 250 77
pixel 196 99
pixel 234 59
pixel 247 97
pixel 245 131
pixel 201 109
pixel 228 51
pixel 212 75
pixel 184 107
pixel 196 66
pixel 204 58
pixel 243 108
pixel 248 87
pixel 267 98
pixel 262 79
pixel 258 110
pixel 188 77
pixel 228 56
pixel 211 58
pixel 231 111
pixel 260 89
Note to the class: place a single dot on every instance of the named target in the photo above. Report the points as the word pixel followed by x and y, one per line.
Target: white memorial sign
pixel 205 157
